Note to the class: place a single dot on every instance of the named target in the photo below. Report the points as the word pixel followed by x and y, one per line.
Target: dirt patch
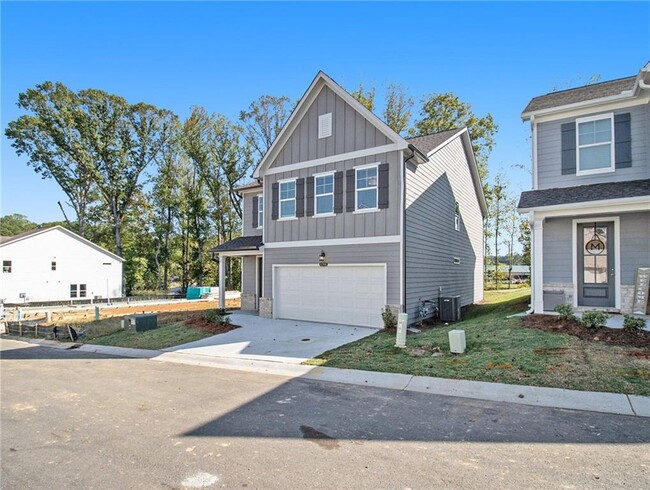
pixel 200 323
pixel 498 366
pixel 640 354
pixel 551 352
pixel 552 323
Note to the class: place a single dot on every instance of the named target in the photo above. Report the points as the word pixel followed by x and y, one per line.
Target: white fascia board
pixel 587 107
pixel 321 80
pixel 627 204
pixel 239 253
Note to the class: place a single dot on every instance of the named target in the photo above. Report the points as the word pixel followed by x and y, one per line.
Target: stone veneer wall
pixel 248 302
pixel 266 307
pixel 627 299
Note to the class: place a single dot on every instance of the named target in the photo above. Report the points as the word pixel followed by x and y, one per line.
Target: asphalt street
pixel 77 420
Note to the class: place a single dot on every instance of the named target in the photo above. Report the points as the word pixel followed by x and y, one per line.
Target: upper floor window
pixel 73 290
pixel 53 265
pixel 6 266
pixel 260 211
pixel 595 144
pixel 288 199
pixel 324 194
pixel 366 188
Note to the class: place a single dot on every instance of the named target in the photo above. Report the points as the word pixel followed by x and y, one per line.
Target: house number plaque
pixel 641 291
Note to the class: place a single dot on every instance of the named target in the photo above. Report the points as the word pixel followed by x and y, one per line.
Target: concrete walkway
pixel 287 341
pixel 525 395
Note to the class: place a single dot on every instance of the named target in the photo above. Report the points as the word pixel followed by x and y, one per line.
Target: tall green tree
pixel 496 208
pixel 524 240
pixel 49 135
pixel 366 97
pixel 397 112
pixel 442 112
pixel 14 224
pixel 263 121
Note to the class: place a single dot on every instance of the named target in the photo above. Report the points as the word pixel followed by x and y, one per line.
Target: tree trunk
pixel 168 232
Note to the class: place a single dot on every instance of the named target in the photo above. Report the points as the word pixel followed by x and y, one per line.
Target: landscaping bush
pixel 633 324
pixel 594 319
pixel 565 311
pixel 389 318
pixel 217 316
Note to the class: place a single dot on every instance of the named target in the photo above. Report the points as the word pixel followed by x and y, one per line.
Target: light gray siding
pixel 432 243
pixel 350 132
pixel 635 245
pixel 248 229
pixel 385 253
pixel 384 222
pixel 557 238
pixel 549 145
pixel 248 282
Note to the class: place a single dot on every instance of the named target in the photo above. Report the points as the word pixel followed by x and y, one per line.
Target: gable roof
pixel 430 142
pixel 39 231
pixel 248 186
pixel 581 94
pixel 583 193
pixel 303 105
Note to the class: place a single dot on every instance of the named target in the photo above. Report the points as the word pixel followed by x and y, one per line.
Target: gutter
pixel 416 154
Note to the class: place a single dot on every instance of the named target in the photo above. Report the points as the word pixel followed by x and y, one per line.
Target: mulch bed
pixel 202 324
pixel 613 336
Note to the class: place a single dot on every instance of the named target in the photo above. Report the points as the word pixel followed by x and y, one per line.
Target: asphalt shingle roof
pixel 580 94
pixel 432 141
pixel 241 243
pixel 250 185
pixel 584 193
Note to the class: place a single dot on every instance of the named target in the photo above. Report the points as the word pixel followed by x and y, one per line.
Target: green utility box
pixel 197 293
pixel 140 323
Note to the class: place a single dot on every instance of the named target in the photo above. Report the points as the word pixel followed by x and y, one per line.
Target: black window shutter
pixel 255 211
pixel 382 199
pixel 275 195
pixel 349 190
pixel 310 196
pixel 300 198
pixel 338 192
pixel 622 140
pixel 569 148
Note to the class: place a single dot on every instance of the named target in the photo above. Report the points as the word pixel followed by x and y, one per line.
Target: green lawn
pixel 499 349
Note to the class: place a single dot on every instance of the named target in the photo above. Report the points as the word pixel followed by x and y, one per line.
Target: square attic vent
pixel 325 125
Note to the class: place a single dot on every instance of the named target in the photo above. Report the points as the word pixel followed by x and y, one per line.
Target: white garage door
pixel 351 295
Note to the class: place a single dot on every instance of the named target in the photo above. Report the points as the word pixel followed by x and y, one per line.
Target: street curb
pixel 613 403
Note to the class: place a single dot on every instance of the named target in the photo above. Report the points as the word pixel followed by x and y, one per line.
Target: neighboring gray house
pixel 346 217
pixel 590 205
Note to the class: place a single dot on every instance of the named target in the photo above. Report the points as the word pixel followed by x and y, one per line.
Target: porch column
pixel 222 281
pixel 538 265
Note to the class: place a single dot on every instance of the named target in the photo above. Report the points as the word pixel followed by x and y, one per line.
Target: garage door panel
pixel 353 295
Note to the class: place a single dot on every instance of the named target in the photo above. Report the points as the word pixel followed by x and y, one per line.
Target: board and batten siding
pixel 247 218
pixel 384 253
pixel 350 132
pixel 384 222
pixel 559 256
pixel 549 153
pixel 432 242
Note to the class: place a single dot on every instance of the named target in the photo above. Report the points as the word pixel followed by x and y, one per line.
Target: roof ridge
pixel 585 86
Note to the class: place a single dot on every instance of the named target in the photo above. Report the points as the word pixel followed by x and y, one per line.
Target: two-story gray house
pixel 590 205
pixel 345 217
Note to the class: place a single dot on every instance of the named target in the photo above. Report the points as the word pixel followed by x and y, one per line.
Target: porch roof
pixel 584 193
pixel 243 243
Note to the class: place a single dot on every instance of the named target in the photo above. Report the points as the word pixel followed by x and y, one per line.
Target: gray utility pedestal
pixel 140 323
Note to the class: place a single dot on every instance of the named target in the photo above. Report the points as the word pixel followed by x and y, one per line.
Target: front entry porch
pixel 249 250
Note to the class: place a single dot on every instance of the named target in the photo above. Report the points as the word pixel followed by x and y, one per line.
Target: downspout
pixel 404 231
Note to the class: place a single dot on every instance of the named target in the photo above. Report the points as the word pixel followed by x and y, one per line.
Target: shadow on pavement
pixel 325 413
pixel 33 352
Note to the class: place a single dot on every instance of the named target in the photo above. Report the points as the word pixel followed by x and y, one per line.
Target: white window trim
pixel 260 222
pixel 356 189
pixel 280 200
pixel 316 195
pixel 612 143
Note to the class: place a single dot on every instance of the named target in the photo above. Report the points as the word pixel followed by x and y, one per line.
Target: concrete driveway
pixel 289 341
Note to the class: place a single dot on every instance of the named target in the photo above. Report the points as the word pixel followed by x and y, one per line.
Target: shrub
pixel 216 317
pixel 594 319
pixel 633 324
pixel 390 320
pixel 565 311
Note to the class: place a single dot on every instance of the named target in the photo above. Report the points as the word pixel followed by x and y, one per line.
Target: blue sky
pixel 222 56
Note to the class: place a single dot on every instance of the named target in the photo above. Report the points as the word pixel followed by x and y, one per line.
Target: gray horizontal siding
pixel 248 229
pixel 635 245
pixel 388 253
pixel 384 222
pixel 350 132
pixel 549 170
pixel 248 275
pixel 557 253
pixel 432 242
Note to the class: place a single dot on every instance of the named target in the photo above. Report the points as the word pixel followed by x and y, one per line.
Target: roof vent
pixel 325 125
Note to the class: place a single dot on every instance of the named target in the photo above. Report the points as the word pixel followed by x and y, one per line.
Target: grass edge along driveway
pixel 501 350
